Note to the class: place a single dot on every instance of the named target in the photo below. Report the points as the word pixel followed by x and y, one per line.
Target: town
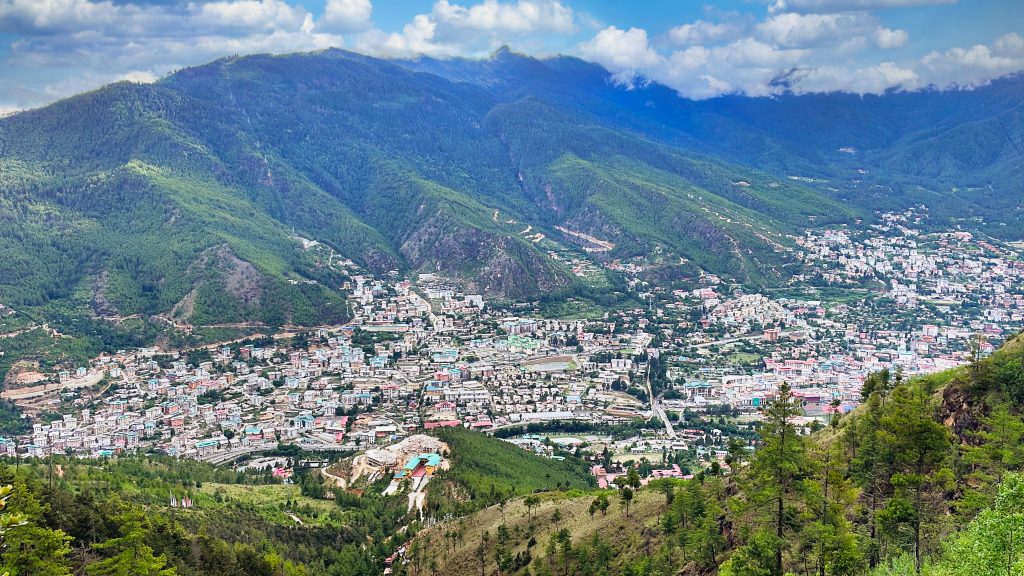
pixel 674 382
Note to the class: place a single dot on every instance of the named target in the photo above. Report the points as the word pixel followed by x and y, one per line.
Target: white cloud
pixel 1010 44
pixel 46 17
pixel 798 30
pixel 346 15
pixel 887 38
pixel 494 16
pixel 625 52
pixel 868 80
pixel 797 52
pixel 826 6
pixel 746 66
pixel 453 29
pixel 416 37
pixel 112 36
pixel 703 32
pixel 140 76
pixel 248 15
pixel 975 65
pixel 104 41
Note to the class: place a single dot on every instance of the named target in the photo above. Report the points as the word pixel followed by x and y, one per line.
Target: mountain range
pixel 187 197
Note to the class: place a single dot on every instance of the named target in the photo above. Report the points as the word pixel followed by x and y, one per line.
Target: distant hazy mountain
pixel 933 139
pixel 182 195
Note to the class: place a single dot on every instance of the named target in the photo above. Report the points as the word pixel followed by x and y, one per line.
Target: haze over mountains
pixel 183 196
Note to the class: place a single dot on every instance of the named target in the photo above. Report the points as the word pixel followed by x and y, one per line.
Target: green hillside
pixel 114 517
pixel 956 151
pixel 178 203
pixel 486 470
pixel 102 516
pixel 180 198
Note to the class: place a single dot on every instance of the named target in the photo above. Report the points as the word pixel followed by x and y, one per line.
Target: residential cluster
pixel 419 354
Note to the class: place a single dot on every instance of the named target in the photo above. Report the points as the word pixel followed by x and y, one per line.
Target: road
pixel 656 408
pixel 45 326
pixel 659 411
pixel 742 338
pixel 338 480
pixel 33 391
pixel 229 455
pixel 24 330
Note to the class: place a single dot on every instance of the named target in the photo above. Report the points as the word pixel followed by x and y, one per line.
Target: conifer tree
pixel 778 466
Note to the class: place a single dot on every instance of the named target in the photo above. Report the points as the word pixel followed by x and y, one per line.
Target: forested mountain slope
pixel 389 167
pixel 957 151
pixel 181 197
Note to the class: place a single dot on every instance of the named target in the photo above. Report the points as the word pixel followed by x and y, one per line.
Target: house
pixel 419 466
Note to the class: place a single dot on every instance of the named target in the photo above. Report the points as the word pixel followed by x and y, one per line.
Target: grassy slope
pixel 268 500
pixel 480 463
pixel 629 537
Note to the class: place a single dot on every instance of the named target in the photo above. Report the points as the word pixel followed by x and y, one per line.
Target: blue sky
pixel 50 49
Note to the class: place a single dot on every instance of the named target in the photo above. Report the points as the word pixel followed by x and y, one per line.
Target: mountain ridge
pixel 399 168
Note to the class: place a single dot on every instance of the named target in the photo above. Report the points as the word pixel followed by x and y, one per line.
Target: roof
pixel 431 459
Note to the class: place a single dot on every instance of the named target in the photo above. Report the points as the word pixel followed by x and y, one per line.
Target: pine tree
pixel 778 465
pixel 869 465
pixel 827 534
pixel 1001 446
pixel 920 448
pixel 993 542
pixel 530 502
pixel 128 554
pixel 28 547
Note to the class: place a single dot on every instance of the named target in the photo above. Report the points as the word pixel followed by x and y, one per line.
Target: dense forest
pixel 115 518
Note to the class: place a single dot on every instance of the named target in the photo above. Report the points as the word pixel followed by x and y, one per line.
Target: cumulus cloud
pixel 63 32
pixel 455 29
pixel 786 50
pixel 745 66
pixel 346 15
pixel 104 41
pixel 248 15
pixel 801 30
pixel 49 17
pixel 974 65
pixel 625 52
pixel 416 37
pixel 703 32
pixel 521 16
pixel 797 52
pixel 1011 44
pixel 887 38
pixel 867 80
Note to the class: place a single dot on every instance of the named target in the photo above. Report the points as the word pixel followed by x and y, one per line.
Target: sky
pixel 50 49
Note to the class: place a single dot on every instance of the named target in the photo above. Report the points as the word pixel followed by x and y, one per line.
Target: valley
pixel 670 388
pixel 350 314
pixel 421 353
